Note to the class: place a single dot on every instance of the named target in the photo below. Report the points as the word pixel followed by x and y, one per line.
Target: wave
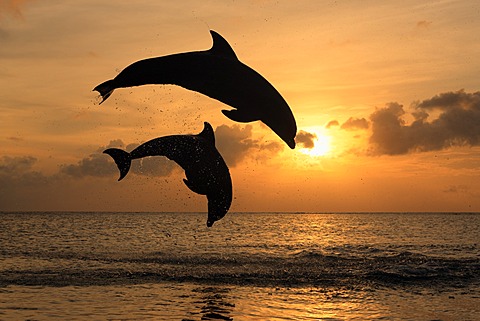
pixel 303 268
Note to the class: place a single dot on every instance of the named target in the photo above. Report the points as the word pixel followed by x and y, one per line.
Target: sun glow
pixel 321 144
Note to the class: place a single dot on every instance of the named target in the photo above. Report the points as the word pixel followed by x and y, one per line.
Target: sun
pixel 321 144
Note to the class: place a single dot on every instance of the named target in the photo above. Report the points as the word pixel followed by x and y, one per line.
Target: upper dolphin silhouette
pixel 218 74
pixel 206 171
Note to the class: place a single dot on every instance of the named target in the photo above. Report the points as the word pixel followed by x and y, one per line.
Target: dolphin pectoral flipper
pixel 194 188
pixel 241 117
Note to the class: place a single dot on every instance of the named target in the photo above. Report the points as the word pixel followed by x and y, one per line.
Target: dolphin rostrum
pixel 206 171
pixel 218 74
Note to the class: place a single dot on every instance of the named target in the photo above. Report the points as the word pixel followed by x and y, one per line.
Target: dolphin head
pixel 290 142
pixel 218 205
pixel 284 127
pixel 286 130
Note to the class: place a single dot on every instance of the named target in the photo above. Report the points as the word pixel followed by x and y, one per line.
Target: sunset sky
pixel 385 95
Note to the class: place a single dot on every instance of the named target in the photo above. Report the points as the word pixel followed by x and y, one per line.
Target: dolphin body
pixel 206 171
pixel 218 74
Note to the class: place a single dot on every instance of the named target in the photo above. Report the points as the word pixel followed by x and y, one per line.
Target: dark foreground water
pixel 170 266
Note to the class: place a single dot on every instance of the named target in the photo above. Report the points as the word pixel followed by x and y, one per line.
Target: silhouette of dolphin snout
pixel 205 170
pixel 218 74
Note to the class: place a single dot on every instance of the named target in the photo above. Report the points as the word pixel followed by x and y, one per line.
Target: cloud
pixel 19 181
pixel 388 130
pixel 18 171
pixel 101 165
pixel 306 139
pixel 236 143
pixel 450 100
pixel 16 164
pixel 355 123
pixel 97 165
pixel 332 123
pixel 151 166
pixel 458 124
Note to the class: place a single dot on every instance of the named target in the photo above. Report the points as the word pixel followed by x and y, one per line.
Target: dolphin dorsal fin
pixel 207 133
pixel 221 47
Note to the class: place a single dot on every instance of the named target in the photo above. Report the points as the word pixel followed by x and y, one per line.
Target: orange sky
pixel 387 93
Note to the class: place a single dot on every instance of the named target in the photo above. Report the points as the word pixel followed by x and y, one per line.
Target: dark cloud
pixel 306 139
pixel 355 123
pixel 388 130
pixel 16 164
pixel 102 165
pixel 452 100
pixel 151 166
pixel 332 123
pixel 457 124
pixel 116 143
pixel 236 143
pixel 16 171
pixel 154 166
pixel 19 181
pixel 96 164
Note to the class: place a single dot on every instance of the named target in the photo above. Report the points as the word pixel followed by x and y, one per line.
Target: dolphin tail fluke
pixel 105 89
pixel 122 159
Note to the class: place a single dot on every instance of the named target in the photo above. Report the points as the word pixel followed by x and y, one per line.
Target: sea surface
pixel 248 266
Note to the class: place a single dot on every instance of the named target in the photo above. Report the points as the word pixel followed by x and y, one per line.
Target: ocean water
pixel 248 266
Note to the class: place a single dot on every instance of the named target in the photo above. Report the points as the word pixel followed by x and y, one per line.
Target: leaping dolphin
pixel 206 171
pixel 218 74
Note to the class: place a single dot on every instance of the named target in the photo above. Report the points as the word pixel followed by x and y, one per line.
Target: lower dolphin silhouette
pixel 218 74
pixel 206 171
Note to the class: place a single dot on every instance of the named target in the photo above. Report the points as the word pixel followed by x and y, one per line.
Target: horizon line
pixel 239 212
